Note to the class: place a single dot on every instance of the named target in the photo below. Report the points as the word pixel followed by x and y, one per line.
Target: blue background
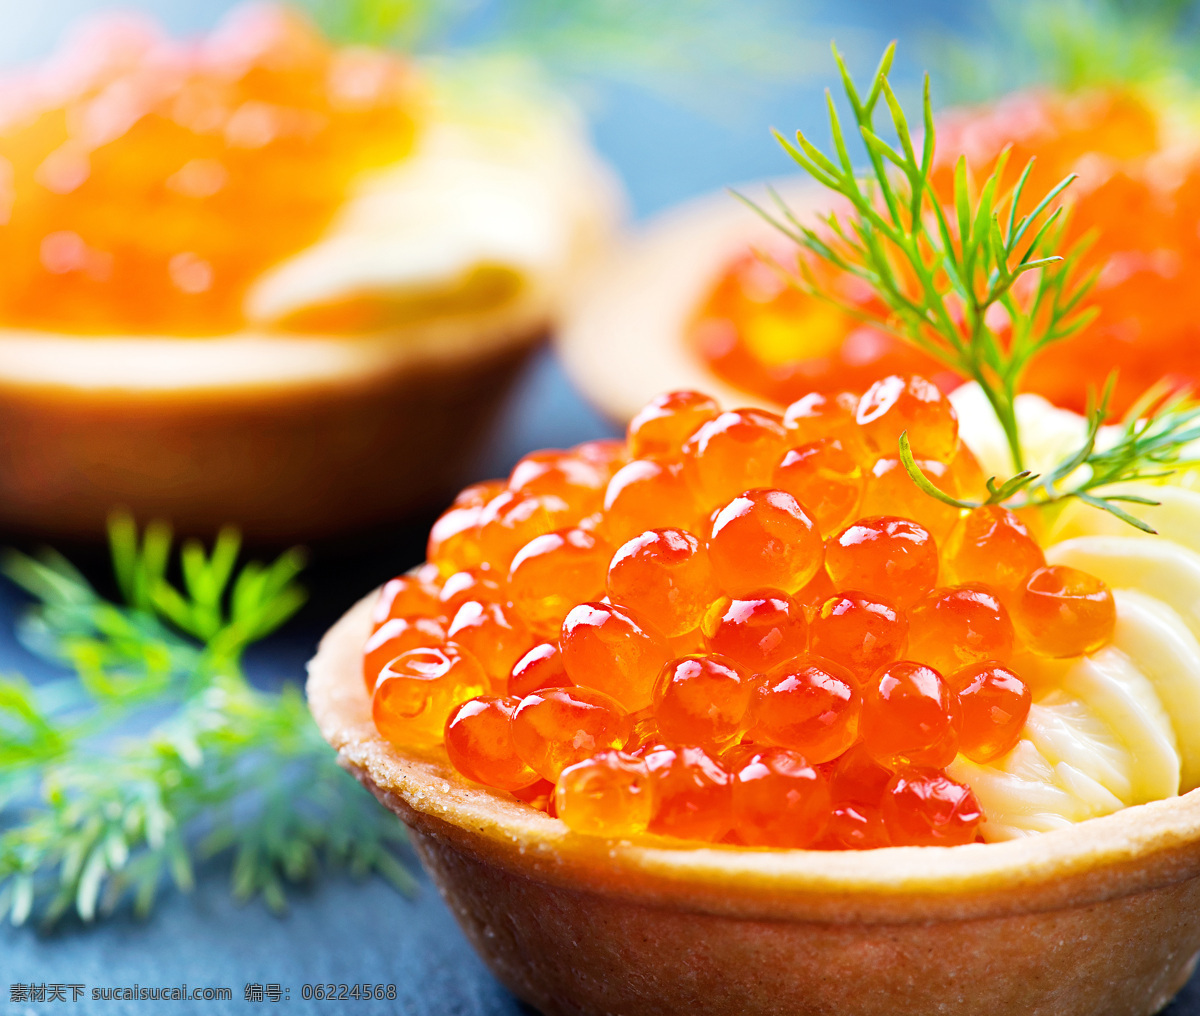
pixel 342 931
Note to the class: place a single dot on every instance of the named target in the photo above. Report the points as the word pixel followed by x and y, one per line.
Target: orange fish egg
pixel 560 474
pixel 605 647
pixel 479 742
pixel 895 405
pixel 473 584
pixel 405 596
pixel 556 727
pixel 810 705
pixel 957 626
pixel 552 573
pixel 417 691
pixel 734 452
pixel 994 704
pixel 605 454
pixel 779 800
pixel 764 539
pixel 1063 612
pixel 820 415
pixel 541 667
pixel 702 700
pixel 494 634
pixel 857 784
pixel 758 632
pixel 826 479
pixel 645 494
pixel 993 546
pixel 395 636
pixel 692 794
pixel 453 541
pixel 664 576
pixel 512 518
pixel 661 427
pixel 861 632
pixel 910 716
pixel 925 808
pixel 889 490
pixel 894 558
pixel 605 795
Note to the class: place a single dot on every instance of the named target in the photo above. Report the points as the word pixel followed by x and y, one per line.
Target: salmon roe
pixel 150 185
pixel 712 659
pixel 767 337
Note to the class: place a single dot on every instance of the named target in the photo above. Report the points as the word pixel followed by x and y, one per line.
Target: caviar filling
pixel 733 627
pixel 1136 202
pixel 146 183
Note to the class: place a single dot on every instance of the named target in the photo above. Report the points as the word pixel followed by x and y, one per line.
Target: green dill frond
pixel 159 753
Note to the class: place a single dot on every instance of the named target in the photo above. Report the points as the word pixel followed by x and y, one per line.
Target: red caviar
pixel 480 744
pixel 693 657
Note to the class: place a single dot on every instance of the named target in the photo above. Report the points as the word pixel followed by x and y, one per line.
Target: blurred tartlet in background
pixel 259 278
pixel 722 317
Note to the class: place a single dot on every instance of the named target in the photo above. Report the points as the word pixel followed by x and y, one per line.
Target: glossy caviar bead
pixel 646 734
pixel 645 494
pixel 512 518
pixel 893 558
pixel 1062 611
pixel 764 539
pixel 994 704
pixel 560 474
pixel 692 794
pixel 819 589
pixel 993 546
pixel 826 479
pixel 606 454
pixel 473 584
pixel 664 576
pixel 605 647
pixel 453 541
pixel 889 490
pixel 702 700
pixel 552 573
pixel 478 494
pixel 810 705
pixel 495 636
pixel 395 636
pixel 734 452
pixel 605 795
pixel 925 808
pixel 895 405
pixel 857 784
pixel 418 689
pixel 957 626
pixel 821 415
pixel 405 596
pixel 779 800
pixel 758 632
pixel 556 727
pixel 662 426
pixel 856 826
pixel 862 633
pixel 910 715
pixel 479 742
pixel 541 667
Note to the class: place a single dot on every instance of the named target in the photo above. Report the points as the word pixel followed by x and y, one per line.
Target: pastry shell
pixel 292 437
pixel 1101 918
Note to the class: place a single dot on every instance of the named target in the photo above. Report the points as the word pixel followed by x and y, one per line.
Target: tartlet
pixel 358 370
pixel 1080 901
pixel 719 319
pixel 1101 917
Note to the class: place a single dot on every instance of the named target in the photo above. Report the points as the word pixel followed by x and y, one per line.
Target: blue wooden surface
pixel 344 932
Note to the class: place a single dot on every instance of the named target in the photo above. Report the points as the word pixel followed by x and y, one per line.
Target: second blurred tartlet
pixel 257 278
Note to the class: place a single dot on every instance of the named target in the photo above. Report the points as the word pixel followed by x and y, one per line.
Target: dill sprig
pixel 158 753
pixel 974 281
